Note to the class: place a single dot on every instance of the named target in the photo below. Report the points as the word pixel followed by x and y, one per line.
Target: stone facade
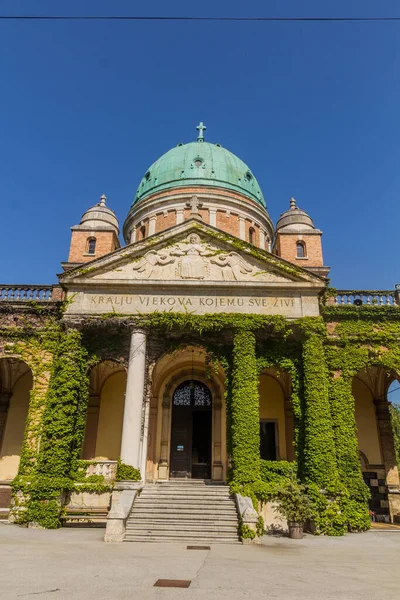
pixel 192 252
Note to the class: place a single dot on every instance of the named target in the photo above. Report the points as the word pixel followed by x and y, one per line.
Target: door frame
pixel 218 470
pixel 190 411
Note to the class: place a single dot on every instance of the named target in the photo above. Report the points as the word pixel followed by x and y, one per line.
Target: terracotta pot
pixel 295 530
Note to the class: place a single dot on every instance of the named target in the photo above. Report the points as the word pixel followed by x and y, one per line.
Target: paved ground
pixel 75 564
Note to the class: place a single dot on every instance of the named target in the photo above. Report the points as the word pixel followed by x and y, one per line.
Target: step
pixel 185 534
pixel 183 519
pixel 201 541
pixel 194 506
pixel 187 511
pixel 187 527
pixel 196 497
pixel 154 512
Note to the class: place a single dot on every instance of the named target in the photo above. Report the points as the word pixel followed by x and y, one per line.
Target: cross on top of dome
pixel 201 129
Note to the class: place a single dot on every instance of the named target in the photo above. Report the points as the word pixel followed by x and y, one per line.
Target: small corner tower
pixel 298 241
pixel 95 236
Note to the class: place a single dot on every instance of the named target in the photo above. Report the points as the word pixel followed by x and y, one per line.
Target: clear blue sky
pixel 313 108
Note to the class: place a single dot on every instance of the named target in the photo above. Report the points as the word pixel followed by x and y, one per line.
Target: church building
pixel 164 381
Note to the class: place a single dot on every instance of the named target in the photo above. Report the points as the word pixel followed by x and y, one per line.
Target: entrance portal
pixel 191 431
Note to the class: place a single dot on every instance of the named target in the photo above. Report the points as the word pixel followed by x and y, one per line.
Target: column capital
pixel 134 329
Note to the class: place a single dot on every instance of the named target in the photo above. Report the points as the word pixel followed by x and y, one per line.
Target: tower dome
pixel 294 219
pixel 199 163
pixel 204 179
pixel 101 216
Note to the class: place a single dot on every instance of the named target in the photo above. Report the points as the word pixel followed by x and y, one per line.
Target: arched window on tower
pixel 142 232
pixel 91 245
pixel 252 235
pixel 301 250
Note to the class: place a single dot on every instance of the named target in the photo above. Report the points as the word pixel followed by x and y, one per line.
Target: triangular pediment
pixel 189 254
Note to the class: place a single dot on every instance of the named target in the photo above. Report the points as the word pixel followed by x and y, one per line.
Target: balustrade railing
pixel 107 468
pixel 368 297
pixel 25 293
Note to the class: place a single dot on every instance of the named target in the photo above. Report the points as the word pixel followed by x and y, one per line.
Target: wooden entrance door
pixel 189 457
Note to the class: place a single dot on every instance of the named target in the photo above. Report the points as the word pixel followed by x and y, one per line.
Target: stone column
pixel 262 239
pixel 165 430
pixel 133 235
pixel 242 228
pixel 217 468
pixel 132 424
pixel 213 216
pixel 145 440
pixel 152 225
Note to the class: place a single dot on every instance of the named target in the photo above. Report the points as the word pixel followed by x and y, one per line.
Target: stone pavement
pixel 75 564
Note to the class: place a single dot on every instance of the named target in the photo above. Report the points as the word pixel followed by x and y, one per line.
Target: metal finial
pixel 292 204
pixel 201 129
pixel 103 199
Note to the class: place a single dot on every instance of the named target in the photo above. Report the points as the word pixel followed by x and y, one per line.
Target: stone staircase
pixel 189 511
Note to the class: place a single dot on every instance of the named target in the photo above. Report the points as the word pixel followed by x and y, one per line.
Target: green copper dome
pixel 199 164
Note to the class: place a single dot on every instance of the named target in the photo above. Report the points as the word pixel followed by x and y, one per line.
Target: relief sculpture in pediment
pixel 191 260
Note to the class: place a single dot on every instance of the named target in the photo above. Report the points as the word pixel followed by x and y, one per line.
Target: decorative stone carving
pixel 236 265
pixel 192 259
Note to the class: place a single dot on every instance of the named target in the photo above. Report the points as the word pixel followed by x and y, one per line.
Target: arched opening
pixel 105 412
pixel 376 440
pixel 393 396
pixel 252 234
pixel 91 245
pixel 301 251
pixel 276 416
pixel 15 387
pixel 367 427
pixel 188 364
pixel 191 431
pixel 142 232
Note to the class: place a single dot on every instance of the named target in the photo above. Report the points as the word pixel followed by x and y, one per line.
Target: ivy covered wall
pixel 321 355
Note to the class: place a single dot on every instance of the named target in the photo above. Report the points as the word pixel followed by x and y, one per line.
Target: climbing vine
pixel 245 410
pixel 41 493
pixel 321 356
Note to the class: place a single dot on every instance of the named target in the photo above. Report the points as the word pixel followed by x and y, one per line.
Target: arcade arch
pixel 105 412
pixel 16 383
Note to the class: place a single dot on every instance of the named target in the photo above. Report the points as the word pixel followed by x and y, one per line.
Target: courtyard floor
pixel 75 564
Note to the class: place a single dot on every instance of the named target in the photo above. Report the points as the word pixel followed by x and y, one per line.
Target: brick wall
pixel 286 248
pixel 229 224
pixel 106 241
pixel 165 222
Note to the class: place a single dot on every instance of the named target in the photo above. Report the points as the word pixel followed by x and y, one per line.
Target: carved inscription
pixel 189 301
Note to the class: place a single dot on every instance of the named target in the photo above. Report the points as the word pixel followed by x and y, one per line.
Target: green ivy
pixel 245 418
pixel 61 436
pixel 321 355
pixel 319 447
pixel 126 472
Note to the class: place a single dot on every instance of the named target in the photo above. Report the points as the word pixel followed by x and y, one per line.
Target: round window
pixel 198 162
pixel 249 176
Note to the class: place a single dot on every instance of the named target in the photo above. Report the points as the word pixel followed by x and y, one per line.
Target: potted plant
pixel 295 506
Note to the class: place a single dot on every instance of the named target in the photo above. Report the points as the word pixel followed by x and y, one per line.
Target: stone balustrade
pixel 26 293
pixel 365 297
pixel 107 468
